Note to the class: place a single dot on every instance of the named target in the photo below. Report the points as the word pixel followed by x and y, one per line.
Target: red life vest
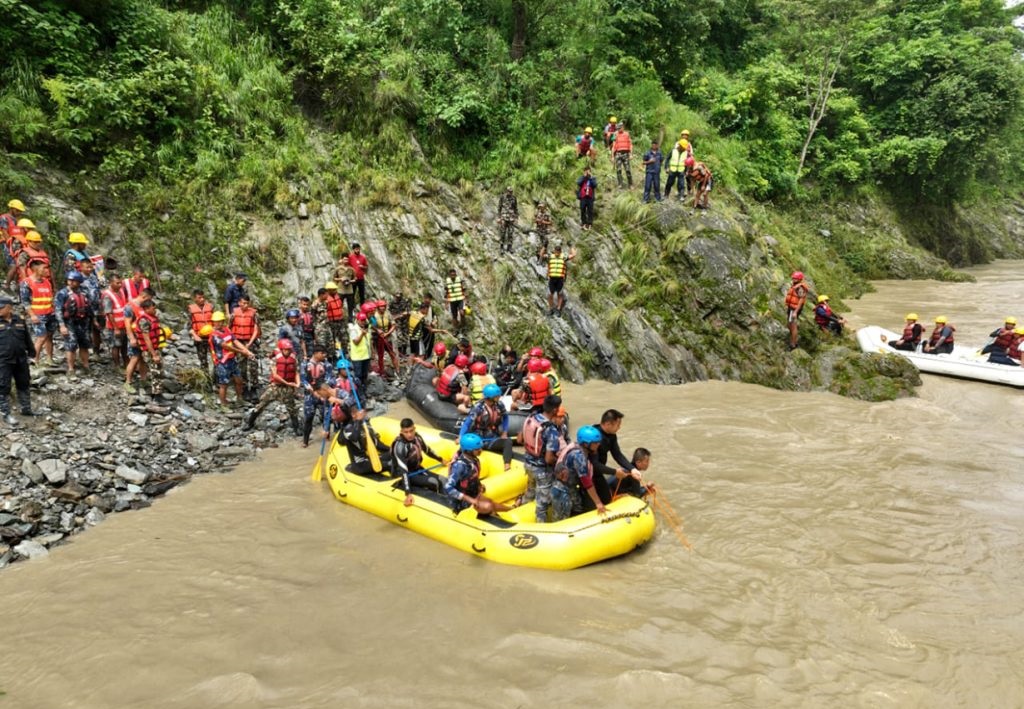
pixel 1014 351
pixel 533 435
pixel 285 368
pixel 1004 339
pixel 243 324
pixel 42 296
pixel 117 310
pixel 315 372
pixel 539 387
pixel 823 315
pixel 796 295
pixel 200 315
pixel 562 471
pixel 488 420
pixel 15 241
pixel 306 323
pixel 444 383
pixel 76 306
pixel 335 308
pixel 937 333
pixel 470 485
pixel 154 330
pixel 225 336
pixel 586 189
pixel 131 289
pixel 585 142
pixel 909 333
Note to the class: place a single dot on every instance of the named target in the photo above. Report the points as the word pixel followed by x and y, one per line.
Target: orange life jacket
pixel 243 324
pixel 117 310
pixel 444 383
pixel 42 296
pixel 33 254
pixel 199 315
pixel 796 295
pixel 539 386
pixel 335 308
pixel 622 141
pixel 533 435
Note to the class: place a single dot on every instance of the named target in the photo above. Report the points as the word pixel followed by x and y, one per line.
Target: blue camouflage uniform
pixel 575 472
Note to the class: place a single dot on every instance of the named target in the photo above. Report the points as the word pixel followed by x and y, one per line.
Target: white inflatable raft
pixel 963 362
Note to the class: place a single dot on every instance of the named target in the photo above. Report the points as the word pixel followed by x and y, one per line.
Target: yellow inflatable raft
pixel 511 537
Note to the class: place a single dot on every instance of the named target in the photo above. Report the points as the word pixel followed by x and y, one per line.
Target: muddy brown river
pixel 845 554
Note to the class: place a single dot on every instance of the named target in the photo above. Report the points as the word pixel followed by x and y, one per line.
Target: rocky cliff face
pixel 660 293
pixel 657 293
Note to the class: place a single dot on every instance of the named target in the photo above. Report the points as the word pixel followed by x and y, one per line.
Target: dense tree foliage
pixel 923 97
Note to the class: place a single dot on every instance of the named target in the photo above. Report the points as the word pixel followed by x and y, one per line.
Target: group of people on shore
pixel 690 176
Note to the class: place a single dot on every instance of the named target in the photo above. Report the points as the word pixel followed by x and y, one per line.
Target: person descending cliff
pixel 558 271
pixel 610 128
pixel 542 225
pixel 585 145
pixel 586 189
pixel 677 169
pixel 622 148
pixel 796 296
pixel 826 319
pixel 508 215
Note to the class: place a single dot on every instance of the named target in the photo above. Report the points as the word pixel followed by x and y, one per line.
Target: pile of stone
pixel 95 450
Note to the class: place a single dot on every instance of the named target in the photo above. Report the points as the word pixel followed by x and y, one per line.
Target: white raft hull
pixel 962 362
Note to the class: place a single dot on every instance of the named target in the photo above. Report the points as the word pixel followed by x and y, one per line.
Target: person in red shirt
pixel 360 266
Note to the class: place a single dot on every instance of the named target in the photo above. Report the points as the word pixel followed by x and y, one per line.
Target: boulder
pixel 31 550
pixel 54 470
pixel 32 471
pixel 130 474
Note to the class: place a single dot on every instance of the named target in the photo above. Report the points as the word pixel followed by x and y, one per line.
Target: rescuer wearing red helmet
pixel 452 385
pixel 284 385
pixel 535 387
pixel 796 296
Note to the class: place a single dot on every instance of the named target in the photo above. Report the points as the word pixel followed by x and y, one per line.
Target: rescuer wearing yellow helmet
pixel 1002 337
pixel 911 334
pixel 941 340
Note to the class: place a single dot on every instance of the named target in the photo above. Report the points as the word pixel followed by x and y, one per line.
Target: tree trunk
pixel 519 22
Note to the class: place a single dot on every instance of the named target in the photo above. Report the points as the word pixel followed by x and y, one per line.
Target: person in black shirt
pixel 407 453
pixel 606 477
pixel 16 348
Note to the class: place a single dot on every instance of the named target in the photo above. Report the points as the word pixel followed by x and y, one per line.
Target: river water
pixel 845 554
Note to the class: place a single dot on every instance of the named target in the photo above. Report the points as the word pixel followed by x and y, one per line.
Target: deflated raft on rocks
pixel 444 415
pixel 962 362
pixel 511 537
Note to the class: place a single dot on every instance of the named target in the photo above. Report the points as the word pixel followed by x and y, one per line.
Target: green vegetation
pixel 185 114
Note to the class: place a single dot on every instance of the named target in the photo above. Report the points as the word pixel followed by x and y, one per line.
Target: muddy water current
pixel 845 554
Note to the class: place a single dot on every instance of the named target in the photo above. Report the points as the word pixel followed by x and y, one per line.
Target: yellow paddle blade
pixel 371 450
pixel 316 475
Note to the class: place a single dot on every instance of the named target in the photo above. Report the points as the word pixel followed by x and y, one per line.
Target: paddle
pixel 371 441
pixel 321 462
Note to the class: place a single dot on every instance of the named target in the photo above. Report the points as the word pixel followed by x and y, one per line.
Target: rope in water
pixel 672 517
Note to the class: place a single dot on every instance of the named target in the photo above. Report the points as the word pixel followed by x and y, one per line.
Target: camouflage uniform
pixel 156 369
pixel 400 304
pixel 283 394
pixel 322 329
pixel 542 224
pixel 508 214
pixel 622 164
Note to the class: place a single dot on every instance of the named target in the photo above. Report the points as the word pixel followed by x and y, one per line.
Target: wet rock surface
pixel 94 449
